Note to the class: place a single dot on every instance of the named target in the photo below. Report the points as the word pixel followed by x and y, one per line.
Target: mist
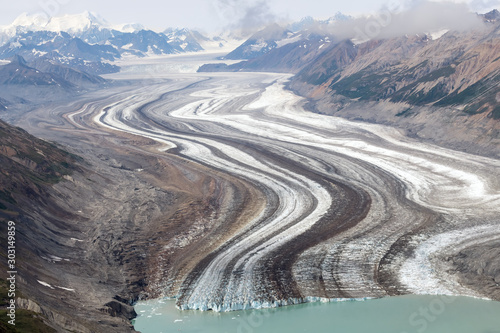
pixel 483 5
pixel 245 17
pixel 417 17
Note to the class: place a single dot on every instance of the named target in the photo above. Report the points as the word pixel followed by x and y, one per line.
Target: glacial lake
pixel 403 314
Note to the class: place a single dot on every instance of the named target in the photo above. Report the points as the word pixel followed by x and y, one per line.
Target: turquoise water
pixel 405 314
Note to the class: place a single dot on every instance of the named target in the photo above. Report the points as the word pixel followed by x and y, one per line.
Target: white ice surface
pixel 45 284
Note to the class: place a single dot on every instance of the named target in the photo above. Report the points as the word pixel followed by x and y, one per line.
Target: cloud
pixel 482 5
pixel 245 16
pixel 417 17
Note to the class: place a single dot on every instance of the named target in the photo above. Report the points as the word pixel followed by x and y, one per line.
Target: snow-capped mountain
pixel 308 30
pixel 72 24
pixel 93 29
pixel 63 49
pixel 142 43
pixel 185 39
pixel 261 42
pixel 75 24
pixel 32 44
pixel 23 23
pixel 88 42
pixel 88 26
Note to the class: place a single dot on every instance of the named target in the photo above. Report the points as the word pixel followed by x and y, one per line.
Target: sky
pixel 211 15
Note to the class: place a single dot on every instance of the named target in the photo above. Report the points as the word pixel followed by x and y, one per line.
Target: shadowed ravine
pixel 318 207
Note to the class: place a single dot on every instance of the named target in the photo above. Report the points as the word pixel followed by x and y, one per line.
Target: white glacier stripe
pixel 420 275
pixel 45 284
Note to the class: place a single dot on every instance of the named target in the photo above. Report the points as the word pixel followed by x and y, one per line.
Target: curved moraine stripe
pixel 349 210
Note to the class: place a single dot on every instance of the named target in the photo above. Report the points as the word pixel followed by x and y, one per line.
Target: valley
pixel 258 167
pixel 231 195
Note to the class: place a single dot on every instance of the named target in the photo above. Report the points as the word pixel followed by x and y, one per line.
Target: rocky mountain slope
pixel 42 72
pixel 28 165
pixel 38 183
pixel 295 53
pixel 456 69
pixel 302 34
pixel 80 265
pixel 34 180
pixel 29 168
pixel 25 84
pixel 17 72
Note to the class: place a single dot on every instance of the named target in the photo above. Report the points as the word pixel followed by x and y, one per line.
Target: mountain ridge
pixel 93 29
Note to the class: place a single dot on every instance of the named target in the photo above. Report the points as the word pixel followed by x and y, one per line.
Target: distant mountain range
pixel 87 26
pixel 42 72
pixel 63 49
pixel 275 36
pixel 23 83
pixel 88 43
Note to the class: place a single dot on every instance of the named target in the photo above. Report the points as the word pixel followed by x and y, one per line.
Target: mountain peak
pixel 30 20
pixel 307 22
pixel 129 27
pixel 339 16
pixel 493 15
pixel 76 22
pixel 93 17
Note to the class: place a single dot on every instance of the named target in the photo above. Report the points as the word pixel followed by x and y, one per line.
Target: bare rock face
pixel 480 263
pixel 28 164
pixel 119 309
pixel 56 319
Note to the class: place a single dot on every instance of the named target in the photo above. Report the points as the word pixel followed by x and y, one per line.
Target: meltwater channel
pixel 403 314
